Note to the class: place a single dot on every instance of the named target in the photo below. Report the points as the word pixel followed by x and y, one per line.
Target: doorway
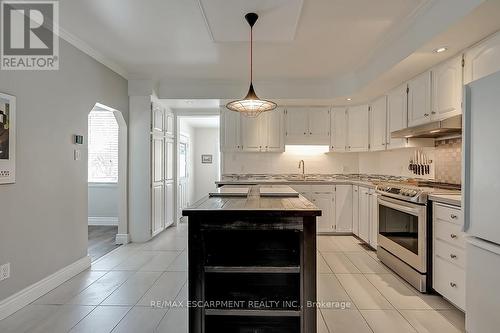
pixel 106 180
pixel 198 158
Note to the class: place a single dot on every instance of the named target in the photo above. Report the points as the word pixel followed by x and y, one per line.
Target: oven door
pixel 403 231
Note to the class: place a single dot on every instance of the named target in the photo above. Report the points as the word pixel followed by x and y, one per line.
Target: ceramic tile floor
pixel 115 295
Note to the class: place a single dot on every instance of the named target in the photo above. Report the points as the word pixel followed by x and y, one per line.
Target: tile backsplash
pixel 448 157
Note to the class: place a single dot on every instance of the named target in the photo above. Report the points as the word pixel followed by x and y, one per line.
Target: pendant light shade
pixel 251 105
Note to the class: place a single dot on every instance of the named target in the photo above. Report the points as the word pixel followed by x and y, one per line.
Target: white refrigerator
pixel 481 203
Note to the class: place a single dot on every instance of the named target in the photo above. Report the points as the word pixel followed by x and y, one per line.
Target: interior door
pixel 397 115
pixel 447 89
pixel 378 124
pixel 319 126
pixel 419 99
pixel 274 130
pixel 169 203
pixel 343 208
pixel 339 129
pixel 297 125
pixel 252 138
pixel 358 128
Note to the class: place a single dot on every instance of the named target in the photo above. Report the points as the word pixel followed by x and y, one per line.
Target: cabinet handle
pixel 426 115
pixel 453 284
pixel 453 256
pixel 453 216
pixel 305 133
pixel 310 133
pixel 433 112
pixel 453 236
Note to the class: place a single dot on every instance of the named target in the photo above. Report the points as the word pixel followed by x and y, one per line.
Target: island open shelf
pixel 252 264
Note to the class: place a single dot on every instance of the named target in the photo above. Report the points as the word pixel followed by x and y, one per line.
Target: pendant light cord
pixel 251 55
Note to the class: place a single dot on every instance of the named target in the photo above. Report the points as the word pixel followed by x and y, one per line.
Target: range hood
pixel 435 129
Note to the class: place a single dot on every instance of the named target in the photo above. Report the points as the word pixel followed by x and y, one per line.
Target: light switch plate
pixel 5 271
pixel 77 154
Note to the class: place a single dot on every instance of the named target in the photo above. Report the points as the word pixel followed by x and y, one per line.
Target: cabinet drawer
pixel 450 233
pixel 449 281
pixel 322 188
pixel 450 253
pixel 448 214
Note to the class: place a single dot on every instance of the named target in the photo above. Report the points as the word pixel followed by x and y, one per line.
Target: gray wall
pixel 206 141
pixel 103 200
pixel 43 216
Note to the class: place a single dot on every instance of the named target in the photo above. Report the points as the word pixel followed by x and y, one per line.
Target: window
pixel 103 147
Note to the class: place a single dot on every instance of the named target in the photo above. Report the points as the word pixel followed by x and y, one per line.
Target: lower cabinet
pixel 326 202
pixel 364 214
pixel 448 258
pixel 355 210
pixel 373 219
pixel 343 208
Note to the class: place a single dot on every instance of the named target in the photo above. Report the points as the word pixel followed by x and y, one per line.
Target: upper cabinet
pixel 483 59
pixel 447 89
pixel 307 125
pixel 397 115
pixel 230 138
pixel 419 99
pixel 378 124
pixel 263 133
pixel 339 129
pixel 358 128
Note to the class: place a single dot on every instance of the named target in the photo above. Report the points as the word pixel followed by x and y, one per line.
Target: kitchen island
pixel 252 264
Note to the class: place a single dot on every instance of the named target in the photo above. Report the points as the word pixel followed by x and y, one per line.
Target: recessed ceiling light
pixel 440 49
pixel 349 99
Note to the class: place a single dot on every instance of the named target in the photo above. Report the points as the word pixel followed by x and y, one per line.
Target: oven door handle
pixel 416 211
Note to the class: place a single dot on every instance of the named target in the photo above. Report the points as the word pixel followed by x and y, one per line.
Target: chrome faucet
pixel 303 164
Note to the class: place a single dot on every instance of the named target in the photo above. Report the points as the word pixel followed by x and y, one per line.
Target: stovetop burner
pixel 417 192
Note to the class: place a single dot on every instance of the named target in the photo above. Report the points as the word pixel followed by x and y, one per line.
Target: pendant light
pixel 251 106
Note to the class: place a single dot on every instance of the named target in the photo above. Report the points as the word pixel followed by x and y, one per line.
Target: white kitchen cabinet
pixel 482 59
pixel 373 219
pixel 230 138
pixel 157 185
pixel 157 216
pixel 168 123
pixel 364 214
pixel 355 210
pixel 358 128
pixel 169 203
pixel 263 133
pixel 447 86
pixel 307 125
pixel 326 202
pixel 338 129
pixel 397 115
pixel 343 208
pixel 419 99
pixel 378 124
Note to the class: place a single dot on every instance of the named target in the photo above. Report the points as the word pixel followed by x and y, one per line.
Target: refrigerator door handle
pixel 466 145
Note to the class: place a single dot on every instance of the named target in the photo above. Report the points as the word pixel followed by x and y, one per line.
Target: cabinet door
pixel 483 59
pixel 364 214
pixel 397 115
pixel 419 99
pixel 169 123
pixel 373 219
pixel 251 133
pixel 157 121
pixel 325 202
pixel 274 129
pixel 169 204
pixel 157 216
pixel 297 125
pixel 169 159
pixel 343 208
pixel 447 89
pixel 358 128
pixel 355 210
pixel 319 126
pixel 230 131
pixel 378 124
pixel 339 129
pixel 157 184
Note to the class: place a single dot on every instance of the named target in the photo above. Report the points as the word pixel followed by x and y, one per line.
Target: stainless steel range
pixel 404 240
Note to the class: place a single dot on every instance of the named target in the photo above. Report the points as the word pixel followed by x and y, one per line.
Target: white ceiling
pixel 200 122
pixel 306 49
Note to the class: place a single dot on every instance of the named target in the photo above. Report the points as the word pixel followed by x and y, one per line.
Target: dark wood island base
pixel 252 265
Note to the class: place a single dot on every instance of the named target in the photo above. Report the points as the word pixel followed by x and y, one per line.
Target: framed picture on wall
pixel 206 159
pixel 7 139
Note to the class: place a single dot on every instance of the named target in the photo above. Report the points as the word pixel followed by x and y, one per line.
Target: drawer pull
pixel 453 284
pixel 453 216
pixel 453 256
pixel 453 236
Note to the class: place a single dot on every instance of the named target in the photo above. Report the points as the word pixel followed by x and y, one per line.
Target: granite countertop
pixel 450 199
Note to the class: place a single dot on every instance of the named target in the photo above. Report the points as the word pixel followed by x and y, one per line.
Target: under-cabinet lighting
pixel 306 149
pixel 349 99
pixel 440 49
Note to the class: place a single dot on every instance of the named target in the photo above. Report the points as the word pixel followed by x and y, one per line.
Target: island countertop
pixel 253 204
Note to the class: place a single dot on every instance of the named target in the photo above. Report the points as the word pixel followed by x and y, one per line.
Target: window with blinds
pixel 103 147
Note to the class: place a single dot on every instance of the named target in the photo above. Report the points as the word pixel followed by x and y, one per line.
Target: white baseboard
pixel 24 297
pixel 122 239
pixel 104 221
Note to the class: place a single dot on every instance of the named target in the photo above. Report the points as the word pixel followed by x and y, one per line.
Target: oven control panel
pixel 399 192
